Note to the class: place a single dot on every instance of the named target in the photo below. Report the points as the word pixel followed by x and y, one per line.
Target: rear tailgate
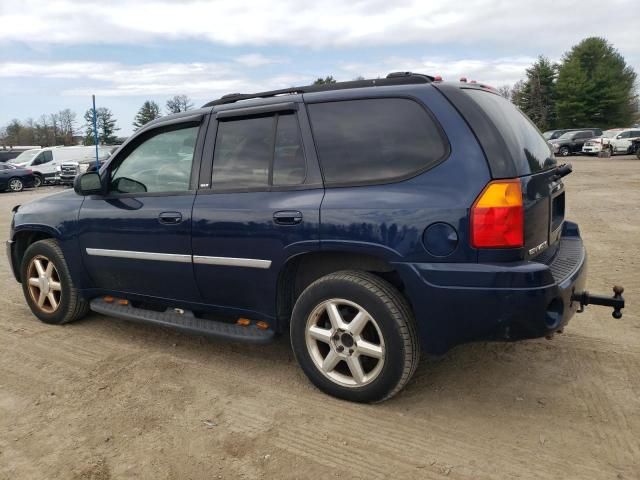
pixel 515 148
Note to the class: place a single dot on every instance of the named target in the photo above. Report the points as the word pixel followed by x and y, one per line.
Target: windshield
pixel 610 133
pixel 25 156
pixel 566 135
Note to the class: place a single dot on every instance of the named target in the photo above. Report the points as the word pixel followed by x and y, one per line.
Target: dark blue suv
pixel 369 220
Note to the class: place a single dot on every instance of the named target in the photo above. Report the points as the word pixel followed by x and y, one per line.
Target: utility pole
pixel 95 130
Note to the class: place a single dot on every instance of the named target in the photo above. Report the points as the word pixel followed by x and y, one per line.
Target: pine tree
pixel 595 86
pixel 150 110
pixel 325 81
pixel 536 96
pixel 106 126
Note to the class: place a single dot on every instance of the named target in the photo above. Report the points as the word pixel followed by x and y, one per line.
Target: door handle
pixel 170 218
pixel 287 217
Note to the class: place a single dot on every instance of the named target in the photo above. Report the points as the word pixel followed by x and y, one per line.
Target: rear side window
pixel 526 146
pixel 374 140
pixel 258 152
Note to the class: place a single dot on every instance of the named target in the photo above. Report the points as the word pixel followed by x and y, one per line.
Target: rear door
pixel 257 207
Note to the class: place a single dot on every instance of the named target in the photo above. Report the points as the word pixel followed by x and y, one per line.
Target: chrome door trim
pixel 232 262
pixel 181 258
pixel 162 257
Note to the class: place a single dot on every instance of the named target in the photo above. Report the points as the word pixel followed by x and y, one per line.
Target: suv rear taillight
pixel 497 216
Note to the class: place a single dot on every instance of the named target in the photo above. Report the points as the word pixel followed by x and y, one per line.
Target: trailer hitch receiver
pixel 616 302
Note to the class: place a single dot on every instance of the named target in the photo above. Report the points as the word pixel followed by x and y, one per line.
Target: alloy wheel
pixel 44 284
pixel 15 185
pixel 345 343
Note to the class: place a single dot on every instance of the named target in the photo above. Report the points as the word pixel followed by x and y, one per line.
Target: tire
pixel 51 276
pixel 384 344
pixel 15 185
pixel 38 180
pixel 564 151
pixel 612 150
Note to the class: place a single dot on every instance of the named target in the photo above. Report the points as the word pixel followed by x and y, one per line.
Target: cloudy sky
pixel 55 53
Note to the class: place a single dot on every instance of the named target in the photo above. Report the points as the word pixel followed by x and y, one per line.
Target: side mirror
pixel 619 137
pixel 88 184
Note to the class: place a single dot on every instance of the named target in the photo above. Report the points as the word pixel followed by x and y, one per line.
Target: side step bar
pixel 185 322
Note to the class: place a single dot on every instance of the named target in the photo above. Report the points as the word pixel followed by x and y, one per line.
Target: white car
pixel 596 145
pixel 46 163
pixel 617 140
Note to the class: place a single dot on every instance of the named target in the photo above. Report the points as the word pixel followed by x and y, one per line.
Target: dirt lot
pixel 104 398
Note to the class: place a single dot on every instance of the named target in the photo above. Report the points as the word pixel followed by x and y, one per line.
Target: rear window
pixel 526 145
pixel 374 140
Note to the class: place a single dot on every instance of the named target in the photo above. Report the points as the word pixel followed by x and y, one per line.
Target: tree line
pixel 61 128
pixel 592 86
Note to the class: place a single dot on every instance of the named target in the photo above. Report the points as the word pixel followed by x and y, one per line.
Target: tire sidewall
pixel 392 370
pixel 44 249
pixel 38 181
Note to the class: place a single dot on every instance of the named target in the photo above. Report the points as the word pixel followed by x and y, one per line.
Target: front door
pixel 136 239
pixel 262 209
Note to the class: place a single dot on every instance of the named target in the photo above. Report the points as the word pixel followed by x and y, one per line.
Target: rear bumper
pixel 457 303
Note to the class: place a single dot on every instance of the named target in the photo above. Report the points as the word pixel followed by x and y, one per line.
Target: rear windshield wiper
pixel 562 171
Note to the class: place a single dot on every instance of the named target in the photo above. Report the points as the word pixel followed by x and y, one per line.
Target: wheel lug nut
pixel 351 351
pixel 340 348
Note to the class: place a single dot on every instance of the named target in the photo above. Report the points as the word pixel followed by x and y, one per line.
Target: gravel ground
pixel 103 398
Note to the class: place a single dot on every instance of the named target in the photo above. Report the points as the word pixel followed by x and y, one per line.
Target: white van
pixel 47 162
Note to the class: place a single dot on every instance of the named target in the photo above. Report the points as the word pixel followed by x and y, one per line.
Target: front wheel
pixel 354 336
pixel 38 180
pixel 47 284
pixel 564 151
pixel 16 185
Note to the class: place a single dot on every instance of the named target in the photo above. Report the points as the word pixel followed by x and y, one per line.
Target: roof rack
pixel 395 78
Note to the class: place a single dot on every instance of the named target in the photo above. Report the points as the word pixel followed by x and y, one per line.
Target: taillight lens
pixel 497 216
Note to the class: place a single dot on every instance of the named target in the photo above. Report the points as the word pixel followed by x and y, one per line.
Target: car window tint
pixel 289 167
pixel 529 150
pixel 161 163
pixel 374 140
pixel 243 153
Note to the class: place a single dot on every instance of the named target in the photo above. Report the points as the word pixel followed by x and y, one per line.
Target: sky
pixel 55 54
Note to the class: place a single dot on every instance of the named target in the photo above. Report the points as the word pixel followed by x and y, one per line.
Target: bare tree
pixel 67 125
pixel 179 103
pixel 505 91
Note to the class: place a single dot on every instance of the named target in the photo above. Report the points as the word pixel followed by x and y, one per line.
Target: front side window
pixel 258 152
pixel 374 140
pixel 161 163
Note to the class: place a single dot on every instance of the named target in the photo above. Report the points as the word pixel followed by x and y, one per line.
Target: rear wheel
pixel 48 286
pixel 354 336
pixel 16 185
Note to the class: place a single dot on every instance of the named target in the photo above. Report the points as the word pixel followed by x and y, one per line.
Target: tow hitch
pixel 617 301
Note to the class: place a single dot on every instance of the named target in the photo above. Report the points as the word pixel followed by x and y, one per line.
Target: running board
pixel 185 322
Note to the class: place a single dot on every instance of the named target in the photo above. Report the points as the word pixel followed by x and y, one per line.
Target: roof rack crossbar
pixel 395 78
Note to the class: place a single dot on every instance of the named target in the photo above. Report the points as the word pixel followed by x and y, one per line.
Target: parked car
pixel 601 143
pixel 553 134
pixel 571 142
pixel 635 146
pixel 8 153
pixel 622 141
pixel 307 212
pixel 46 163
pixel 15 179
